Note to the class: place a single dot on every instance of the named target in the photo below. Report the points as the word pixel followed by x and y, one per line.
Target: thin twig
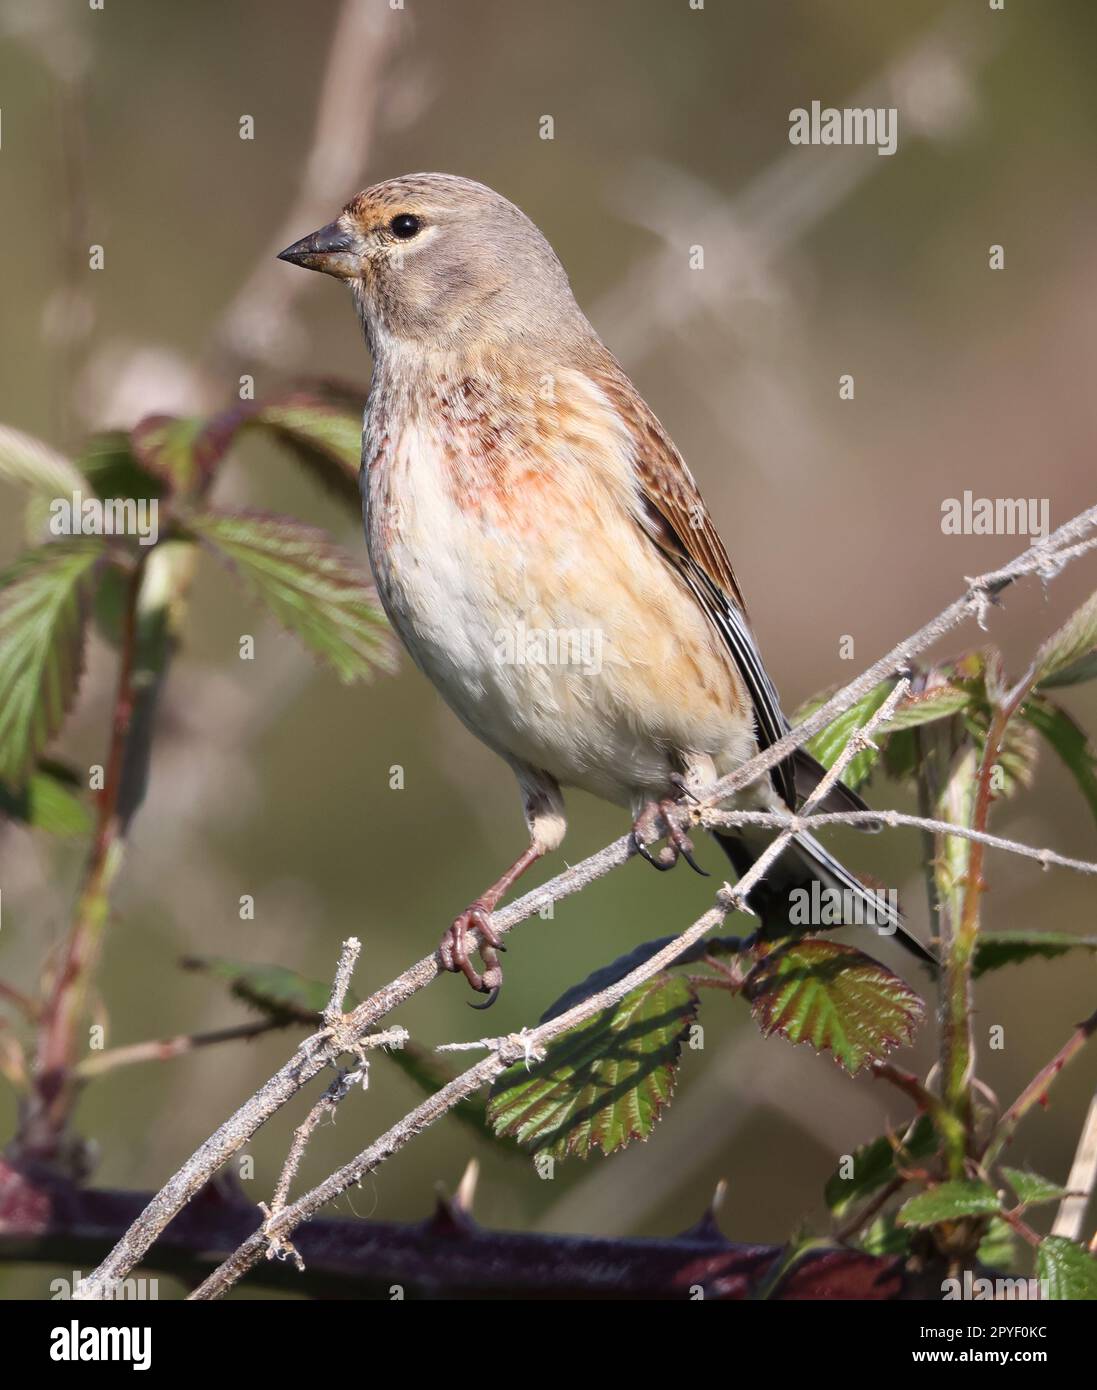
pixel 1037 1089
pixel 856 743
pixel 909 1084
pixel 352 949
pixel 1045 558
pixel 27 1006
pixel 163 1049
pixel 339 1089
pixel 257 325
pixel 503 1052
pixel 892 819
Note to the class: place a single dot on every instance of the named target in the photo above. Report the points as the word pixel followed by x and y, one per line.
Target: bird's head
pixel 440 261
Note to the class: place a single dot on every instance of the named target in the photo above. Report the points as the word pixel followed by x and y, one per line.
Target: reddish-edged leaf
pixel 1067 655
pixel 321 426
pixel 835 998
pixel 167 447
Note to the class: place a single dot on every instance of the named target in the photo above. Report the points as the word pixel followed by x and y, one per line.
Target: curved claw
pixel 454 952
pixel 682 787
pixel 687 855
pixel 646 853
pixel 492 991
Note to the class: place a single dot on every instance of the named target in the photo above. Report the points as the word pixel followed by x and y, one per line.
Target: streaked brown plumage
pixel 514 480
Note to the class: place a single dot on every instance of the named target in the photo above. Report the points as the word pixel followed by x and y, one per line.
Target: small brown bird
pixel 541 548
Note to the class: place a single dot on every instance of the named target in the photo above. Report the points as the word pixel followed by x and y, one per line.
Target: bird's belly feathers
pixel 580 657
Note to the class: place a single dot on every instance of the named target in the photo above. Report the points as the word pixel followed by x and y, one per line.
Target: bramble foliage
pixel 607 1081
pixel 317 593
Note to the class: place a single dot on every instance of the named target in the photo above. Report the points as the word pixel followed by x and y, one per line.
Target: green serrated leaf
pixel 601 1084
pixel 1076 673
pixel 165 446
pixel 313 589
pixel 321 425
pixel 45 473
pixel 949 1201
pixel 884 1237
pixel 1075 641
pixel 33 464
pixel 326 439
pixel 998 1248
pixel 892 738
pixel 829 742
pixel 42 612
pixel 47 802
pixel 995 949
pixel 1069 741
pixel 835 998
pixel 1031 1189
pixel 876 1163
pixel 940 702
pixel 282 995
pixel 1070 1270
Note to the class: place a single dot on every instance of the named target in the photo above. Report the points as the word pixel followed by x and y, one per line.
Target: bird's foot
pixel 454 951
pixel 659 820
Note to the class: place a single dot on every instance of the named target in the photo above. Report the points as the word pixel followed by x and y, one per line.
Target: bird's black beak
pixel 332 249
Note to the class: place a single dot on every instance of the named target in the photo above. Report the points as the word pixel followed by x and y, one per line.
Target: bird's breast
pixel 508 560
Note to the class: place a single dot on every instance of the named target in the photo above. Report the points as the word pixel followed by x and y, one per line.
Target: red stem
pixel 54 1089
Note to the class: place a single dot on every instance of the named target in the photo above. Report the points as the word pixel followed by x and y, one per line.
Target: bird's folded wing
pixel 672 514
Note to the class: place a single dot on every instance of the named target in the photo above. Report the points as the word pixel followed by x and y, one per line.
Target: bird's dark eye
pixel 404 225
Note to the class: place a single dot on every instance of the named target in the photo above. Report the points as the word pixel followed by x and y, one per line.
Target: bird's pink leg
pixel 454 949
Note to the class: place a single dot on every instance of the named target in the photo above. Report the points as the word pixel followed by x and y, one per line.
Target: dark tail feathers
pixel 788 904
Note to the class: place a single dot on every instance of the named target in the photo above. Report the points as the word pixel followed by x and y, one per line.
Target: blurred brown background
pixel 121 128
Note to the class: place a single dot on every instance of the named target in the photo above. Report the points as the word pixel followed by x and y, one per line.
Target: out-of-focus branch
pixel 256 325
pixel 157 586
pixel 1037 1089
pixel 446 1256
pixel 164 1049
pixel 1082 1180
pixel 933 81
